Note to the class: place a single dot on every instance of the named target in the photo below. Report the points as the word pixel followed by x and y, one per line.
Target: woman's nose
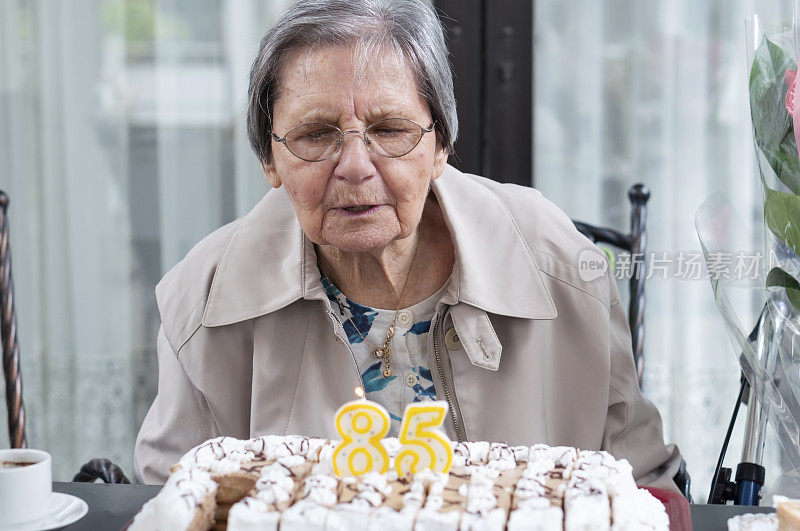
pixel 354 158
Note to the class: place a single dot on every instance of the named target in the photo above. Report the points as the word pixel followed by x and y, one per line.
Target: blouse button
pixel 451 340
pixel 404 318
pixel 411 380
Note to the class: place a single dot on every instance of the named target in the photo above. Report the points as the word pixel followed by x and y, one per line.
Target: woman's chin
pixel 359 242
pixel 359 246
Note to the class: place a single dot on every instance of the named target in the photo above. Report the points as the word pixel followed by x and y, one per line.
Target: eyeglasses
pixel 315 142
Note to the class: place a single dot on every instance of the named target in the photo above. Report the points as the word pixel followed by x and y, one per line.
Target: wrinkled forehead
pixel 368 65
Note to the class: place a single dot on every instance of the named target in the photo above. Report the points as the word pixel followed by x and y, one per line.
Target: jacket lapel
pixel 268 263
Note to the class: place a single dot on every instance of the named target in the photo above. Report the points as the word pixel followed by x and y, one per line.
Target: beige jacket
pixel 249 346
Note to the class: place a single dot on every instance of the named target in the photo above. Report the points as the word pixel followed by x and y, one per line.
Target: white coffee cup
pixel 25 490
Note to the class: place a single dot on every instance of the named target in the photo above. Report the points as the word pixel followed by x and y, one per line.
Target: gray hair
pixel 409 27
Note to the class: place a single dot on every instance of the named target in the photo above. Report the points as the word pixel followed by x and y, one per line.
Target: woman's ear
pixel 439 160
pixel 268 169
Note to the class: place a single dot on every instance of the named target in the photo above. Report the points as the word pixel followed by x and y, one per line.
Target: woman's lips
pixel 360 212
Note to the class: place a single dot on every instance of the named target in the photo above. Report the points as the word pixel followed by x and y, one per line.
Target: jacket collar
pixel 268 263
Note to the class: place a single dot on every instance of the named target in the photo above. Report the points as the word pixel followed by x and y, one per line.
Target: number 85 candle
pixel 362 424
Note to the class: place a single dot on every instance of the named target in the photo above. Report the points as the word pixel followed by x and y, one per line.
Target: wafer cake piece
pixel 483 508
pixel 317 495
pixel 399 510
pixel 274 493
pixel 753 522
pixel 358 496
pixel 228 461
pixel 471 453
pixel 536 502
pixel 536 514
pixel 186 501
pixel 787 511
pixel 638 511
pixel 586 506
pixel 443 501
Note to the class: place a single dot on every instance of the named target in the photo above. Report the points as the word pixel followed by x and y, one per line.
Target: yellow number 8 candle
pixel 423 442
pixel 361 424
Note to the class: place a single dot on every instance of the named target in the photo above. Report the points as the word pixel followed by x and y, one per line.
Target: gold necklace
pixel 383 351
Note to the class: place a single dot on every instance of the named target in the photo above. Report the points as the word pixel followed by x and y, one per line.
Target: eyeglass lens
pixel 392 138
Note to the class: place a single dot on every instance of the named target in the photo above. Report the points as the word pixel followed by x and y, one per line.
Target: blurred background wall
pixel 122 143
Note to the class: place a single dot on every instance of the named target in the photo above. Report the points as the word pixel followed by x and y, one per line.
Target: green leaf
pixel 611 258
pixel 778 278
pixel 772 124
pixel 785 162
pixel 782 215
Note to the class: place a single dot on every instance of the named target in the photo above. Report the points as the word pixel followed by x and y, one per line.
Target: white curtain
pixel 656 92
pixel 122 143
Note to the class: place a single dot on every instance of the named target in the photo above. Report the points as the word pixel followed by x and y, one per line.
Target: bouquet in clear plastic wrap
pixel 762 312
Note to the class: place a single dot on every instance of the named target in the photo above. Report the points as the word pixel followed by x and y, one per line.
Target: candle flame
pixel 359 391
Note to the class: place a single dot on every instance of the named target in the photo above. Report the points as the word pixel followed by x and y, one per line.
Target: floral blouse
pixel 366 328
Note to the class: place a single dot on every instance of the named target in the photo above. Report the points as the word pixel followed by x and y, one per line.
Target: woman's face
pixel 322 86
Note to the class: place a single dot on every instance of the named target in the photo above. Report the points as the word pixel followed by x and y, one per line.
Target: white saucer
pixel 65 509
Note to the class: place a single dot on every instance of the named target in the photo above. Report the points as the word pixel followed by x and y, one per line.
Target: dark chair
pixel 94 469
pixel 8 336
pixel 636 244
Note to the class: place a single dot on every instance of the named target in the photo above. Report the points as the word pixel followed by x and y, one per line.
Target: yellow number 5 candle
pixel 423 442
pixel 362 424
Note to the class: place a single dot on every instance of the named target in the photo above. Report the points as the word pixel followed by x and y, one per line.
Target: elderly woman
pixel 373 263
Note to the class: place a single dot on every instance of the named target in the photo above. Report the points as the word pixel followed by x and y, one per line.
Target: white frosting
pixel 275 485
pixel 586 507
pixel 470 453
pixel 430 519
pixel 174 507
pixel 521 453
pixel 617 476
pixel 561 455
pixel 292 445
pixel 753 522
pixel 348 516
pixel 252 514
pixel 434 502
pixel 303 516
pixel 533 503
pixel 275 473
pixel 392 446
pixel 538 467
pixel 387 519
pixel 530 487
pixel 372 489
pixel 221 455
pixel 638 510
pixel 484 475
pixel 536 519
pixel 492 520
pixel 429 477
pixel 320 489
pixel 291 461
pixel 480 499
pixel 415 496
pixel 503 453
pixel 274 495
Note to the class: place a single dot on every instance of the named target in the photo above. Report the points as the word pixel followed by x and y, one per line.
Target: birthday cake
pixel 288 483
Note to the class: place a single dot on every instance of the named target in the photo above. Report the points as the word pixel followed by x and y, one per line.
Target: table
pixel 113 506
pixel 110 506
